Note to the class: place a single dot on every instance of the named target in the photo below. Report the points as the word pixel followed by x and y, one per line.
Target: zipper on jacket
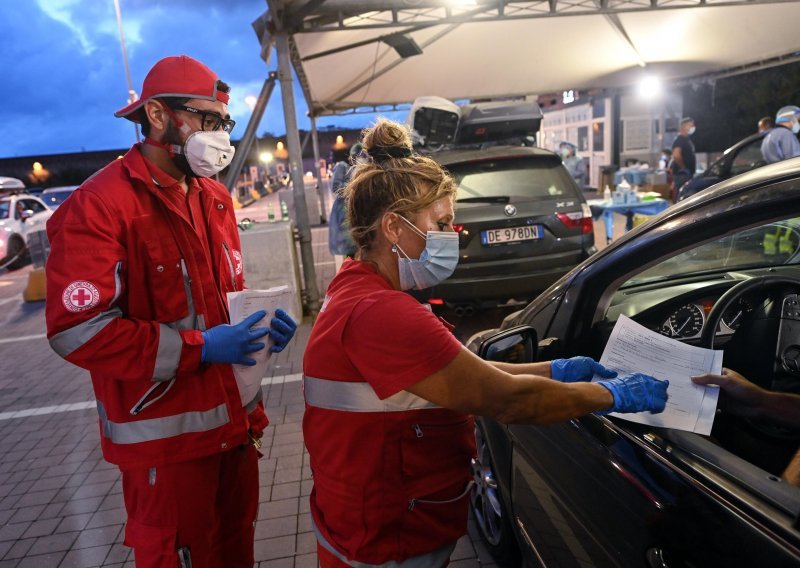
pixel 417 430
pixel 144 403
pixel 230 264
pixel 413 502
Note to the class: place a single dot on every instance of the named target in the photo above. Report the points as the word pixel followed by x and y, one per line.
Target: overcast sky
pixel 63 73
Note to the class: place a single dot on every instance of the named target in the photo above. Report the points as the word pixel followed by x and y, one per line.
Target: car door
pixel 601 491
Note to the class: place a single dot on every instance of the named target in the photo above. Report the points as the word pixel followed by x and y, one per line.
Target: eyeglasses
pixel 210 121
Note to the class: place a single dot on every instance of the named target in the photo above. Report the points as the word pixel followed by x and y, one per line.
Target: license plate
pixel 511 235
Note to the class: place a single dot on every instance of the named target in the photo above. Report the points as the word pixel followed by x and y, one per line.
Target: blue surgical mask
pixel 796 127
pixel 436 263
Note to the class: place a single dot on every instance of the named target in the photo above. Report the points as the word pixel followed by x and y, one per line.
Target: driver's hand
pixel 740 396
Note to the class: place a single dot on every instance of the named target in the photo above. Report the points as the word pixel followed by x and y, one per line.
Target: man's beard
pixel 173 136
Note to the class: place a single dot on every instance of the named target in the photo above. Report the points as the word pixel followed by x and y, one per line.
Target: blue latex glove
pixel 281 328
pixel 233 343
pixel 578 369
pixel 636 393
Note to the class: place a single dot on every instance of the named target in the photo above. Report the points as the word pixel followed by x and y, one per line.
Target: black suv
pixel 522 224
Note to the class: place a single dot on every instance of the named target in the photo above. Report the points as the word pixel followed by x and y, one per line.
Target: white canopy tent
pixel 376 54
pixel 490 49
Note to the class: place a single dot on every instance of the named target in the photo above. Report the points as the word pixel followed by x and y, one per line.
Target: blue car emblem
pixel 510 210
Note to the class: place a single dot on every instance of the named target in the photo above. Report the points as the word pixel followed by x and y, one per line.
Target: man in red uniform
pixel 142 256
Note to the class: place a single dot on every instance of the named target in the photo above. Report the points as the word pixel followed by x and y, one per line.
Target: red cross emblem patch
pixel 80 295
pixel 238 265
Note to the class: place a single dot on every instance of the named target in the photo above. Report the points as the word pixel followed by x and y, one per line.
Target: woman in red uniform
pixel 390 392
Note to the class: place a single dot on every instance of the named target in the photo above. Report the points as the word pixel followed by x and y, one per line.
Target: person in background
pixel 340 243
pixel 684 162
pixel 574 164
pixel 142 257
pixel 765 124
pixel 663 161
pixel 781 142
pixel 390 392
pixel 743 398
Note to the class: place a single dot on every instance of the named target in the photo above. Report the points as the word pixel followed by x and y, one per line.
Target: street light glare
pixel 650 87
pixel 265 157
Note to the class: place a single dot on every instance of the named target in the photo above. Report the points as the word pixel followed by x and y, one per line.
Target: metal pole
pixel 320 189
pixel 296 171
pixel 247 138
pixel 132 96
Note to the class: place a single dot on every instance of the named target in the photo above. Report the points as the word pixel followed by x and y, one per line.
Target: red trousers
pixel 204 509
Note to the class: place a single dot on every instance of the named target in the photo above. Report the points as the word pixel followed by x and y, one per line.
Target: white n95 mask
pixel 208 152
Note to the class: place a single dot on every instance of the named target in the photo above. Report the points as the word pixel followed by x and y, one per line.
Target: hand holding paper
pixel 247 304
pixel 233 343
pixel 633 348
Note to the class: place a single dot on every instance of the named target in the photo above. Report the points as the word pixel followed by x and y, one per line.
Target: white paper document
pixel 633 348
pixel 243 304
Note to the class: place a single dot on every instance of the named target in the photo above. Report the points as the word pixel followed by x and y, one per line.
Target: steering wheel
pixel 786 353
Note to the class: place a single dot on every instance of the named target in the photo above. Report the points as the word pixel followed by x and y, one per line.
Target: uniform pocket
pixel 169 284
pixel 434 451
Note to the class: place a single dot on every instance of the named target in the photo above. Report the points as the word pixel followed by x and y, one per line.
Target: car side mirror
pixel 25 215
pixel 513 345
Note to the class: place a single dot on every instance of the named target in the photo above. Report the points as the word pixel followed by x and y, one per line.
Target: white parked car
pixel 18 214
pixel 55 196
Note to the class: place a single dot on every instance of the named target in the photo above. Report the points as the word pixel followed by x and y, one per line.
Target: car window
pixel 32 205
pixel 5 206
pixel 748 158
pixel 772 244
pixel 512 178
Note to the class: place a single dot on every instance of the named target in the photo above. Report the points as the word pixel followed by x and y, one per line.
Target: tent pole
pixel 243 151
pixel 296 172
pixel 320 188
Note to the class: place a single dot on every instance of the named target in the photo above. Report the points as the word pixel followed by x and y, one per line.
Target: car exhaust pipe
pixel 459 310
pixel 469 310
pixel 464 310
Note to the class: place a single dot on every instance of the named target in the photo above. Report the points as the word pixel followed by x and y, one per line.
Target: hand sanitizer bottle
pixel 607 193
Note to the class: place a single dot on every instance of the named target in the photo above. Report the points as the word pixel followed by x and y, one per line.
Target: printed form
pixel 243 304
pixel 633 348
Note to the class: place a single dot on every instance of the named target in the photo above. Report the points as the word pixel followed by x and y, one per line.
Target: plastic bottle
pixel 284 211
pixel 607 193
pixel 270 213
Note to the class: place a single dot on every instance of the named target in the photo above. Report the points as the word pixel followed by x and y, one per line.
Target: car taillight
pixel 458 228
pixel 436 301
pixel 577 220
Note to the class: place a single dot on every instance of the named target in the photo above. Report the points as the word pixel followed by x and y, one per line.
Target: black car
pixel 721 268
pixel 742 157
pixel 522 224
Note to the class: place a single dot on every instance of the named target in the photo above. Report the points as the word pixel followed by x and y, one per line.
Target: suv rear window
pixel 512 178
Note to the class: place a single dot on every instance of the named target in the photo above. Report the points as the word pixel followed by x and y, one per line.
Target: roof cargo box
pixel 9 184
pixel 498 121
pixel 434 121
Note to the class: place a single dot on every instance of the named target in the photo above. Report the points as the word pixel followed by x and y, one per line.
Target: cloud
pixel 64 74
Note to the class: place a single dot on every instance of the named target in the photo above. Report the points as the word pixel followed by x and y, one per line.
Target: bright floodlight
pixel 265 157
pixel 650 87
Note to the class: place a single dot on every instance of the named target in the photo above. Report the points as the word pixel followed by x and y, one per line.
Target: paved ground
pixel 61 504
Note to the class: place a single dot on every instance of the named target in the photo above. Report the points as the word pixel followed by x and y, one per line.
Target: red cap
pixel 181 77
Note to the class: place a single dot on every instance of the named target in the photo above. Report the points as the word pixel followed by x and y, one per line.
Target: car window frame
pixel 589 306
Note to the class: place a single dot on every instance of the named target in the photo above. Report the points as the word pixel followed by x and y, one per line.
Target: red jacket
pixel 392 474
pixel 130 287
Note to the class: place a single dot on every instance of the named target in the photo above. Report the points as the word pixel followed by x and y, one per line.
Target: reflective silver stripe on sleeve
pixel 159 428
pixel 230 264
pixel 75 337
pixel 357 397
pixel 429 560
pixel 169 353
pixel 117 283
